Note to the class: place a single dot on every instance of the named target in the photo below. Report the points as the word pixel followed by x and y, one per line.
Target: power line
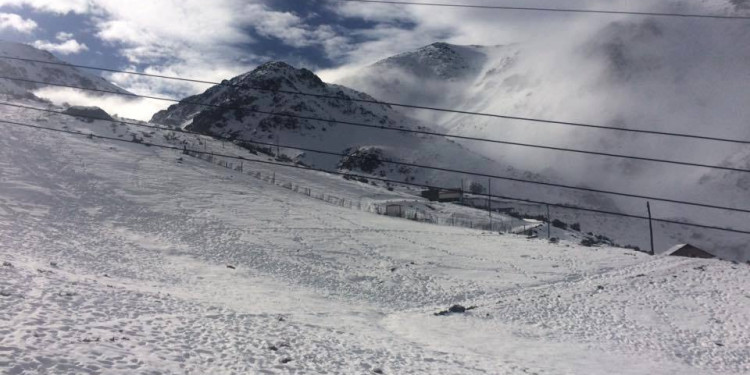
pixel 393 104
pixel 13 123
pixel 383 127
pixel 561 10
pixel 406 164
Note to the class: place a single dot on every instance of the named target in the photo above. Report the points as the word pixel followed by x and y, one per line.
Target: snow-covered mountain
pixel 239 118
pixel 436 75
pixel 442 66
pixel 644 73
pixel 42 72
pixel 366 149
pixel 649 73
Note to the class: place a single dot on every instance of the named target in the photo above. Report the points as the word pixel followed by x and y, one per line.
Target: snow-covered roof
pixel 675 248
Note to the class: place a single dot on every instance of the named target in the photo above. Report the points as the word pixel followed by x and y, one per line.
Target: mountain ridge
pixel 53 73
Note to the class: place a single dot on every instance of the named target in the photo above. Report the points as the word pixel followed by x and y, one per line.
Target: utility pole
pixel 549 225
pixel 462 191
pixel 489 200
pixel 650 227
pixel 278 131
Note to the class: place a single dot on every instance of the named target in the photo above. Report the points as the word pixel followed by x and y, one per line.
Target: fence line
pixel 409 213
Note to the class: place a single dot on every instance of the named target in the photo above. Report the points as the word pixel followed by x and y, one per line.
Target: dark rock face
pixel 365 159
pixel 88 114
pixel 457 309
pixel 260 102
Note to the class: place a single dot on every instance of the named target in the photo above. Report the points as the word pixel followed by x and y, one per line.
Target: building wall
pixel 393 210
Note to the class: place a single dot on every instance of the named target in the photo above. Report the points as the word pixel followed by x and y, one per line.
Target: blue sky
pixel 218 39
pixel 315 34
pixel 215 39
pixel 84 30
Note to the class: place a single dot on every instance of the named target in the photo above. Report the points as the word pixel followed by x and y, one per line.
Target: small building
pixel 689 251
pixel 393 210
pixel 442 195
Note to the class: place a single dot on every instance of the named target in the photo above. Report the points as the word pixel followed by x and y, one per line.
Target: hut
pixel 689 251
pixel 88 114
pixel 442 195
pixel 393 210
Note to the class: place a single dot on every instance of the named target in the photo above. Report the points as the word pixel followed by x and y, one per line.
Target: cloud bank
pixel 10 21
pixel 68 47
pixel 138 109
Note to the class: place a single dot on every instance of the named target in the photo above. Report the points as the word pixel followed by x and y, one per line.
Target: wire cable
pixel 393 104
pixel 406 164
pixel 560 10
pixel 382 127
pixel 147 144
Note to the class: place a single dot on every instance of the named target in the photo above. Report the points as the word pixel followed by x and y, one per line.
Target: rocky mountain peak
pixel 438 61
pixel 278 75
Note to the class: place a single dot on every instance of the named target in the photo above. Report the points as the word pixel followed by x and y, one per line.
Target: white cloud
pixel 293 30
pixel 138 109
pixel 17 23
pixel 68 47
pixel 188 38
pixel 63 36
pixel 183 38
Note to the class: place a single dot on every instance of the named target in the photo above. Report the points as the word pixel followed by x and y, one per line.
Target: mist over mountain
pixel 651 73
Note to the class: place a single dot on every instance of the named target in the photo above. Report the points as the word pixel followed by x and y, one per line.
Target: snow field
pixel 119 258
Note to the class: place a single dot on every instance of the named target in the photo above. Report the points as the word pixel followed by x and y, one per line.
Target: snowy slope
pixel 115 261
pixel 42 72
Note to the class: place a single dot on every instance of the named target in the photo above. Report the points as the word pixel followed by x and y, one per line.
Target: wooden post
pixel 462 191
pixel 489 200
pixel 278 132
pixel 650 227
pixel 549 225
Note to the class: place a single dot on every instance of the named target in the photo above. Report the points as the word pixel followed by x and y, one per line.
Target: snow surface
pixel 116 261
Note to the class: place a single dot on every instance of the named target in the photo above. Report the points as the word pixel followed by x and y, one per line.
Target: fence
pixel 379 208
